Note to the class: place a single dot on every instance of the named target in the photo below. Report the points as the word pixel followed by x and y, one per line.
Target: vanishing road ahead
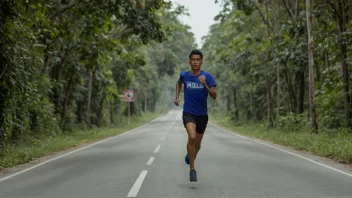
pixel 148 162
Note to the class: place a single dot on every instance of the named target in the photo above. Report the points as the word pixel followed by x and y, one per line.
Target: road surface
pixel 149 163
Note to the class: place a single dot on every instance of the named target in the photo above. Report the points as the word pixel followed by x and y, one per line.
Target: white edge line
pixel 163 137
pixel 150 161
pixel 137 185
pixel 69 153
pixel 157 149
pixel 291 153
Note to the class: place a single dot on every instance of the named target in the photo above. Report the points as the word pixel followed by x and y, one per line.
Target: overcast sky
pixel 202 13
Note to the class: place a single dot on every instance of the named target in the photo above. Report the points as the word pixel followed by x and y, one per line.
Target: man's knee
pixel 192 138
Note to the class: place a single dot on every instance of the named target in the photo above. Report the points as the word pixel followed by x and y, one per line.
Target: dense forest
pixel 259 52
pixel 65 64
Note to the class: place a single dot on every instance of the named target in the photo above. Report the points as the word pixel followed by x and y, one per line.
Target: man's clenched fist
pixel 201 79
pixel 177 101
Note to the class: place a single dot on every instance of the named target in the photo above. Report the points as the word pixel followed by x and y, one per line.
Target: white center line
pixel 157 148
pixel 150 161
pixel 168 130
pixel 137 185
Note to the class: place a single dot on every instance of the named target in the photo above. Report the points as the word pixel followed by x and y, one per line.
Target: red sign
pixel 128 95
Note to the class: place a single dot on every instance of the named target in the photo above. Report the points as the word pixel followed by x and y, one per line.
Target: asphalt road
pixel 149 163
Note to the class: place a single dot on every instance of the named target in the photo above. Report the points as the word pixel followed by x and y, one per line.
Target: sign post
pixel 128 97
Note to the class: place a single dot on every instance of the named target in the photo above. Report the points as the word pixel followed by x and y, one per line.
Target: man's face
pixel 195 62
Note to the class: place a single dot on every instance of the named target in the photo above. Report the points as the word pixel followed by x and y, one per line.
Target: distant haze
pixel 202 13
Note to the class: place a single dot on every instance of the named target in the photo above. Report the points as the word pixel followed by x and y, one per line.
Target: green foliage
pixel 65 64
pixel 335 145
pixel 259 55
pixel 259 49
pixel 292 122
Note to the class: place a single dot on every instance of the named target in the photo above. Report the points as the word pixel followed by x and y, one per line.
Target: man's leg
pixel 200 129
pixel 191 130
pixel 199 137
pixel 189 122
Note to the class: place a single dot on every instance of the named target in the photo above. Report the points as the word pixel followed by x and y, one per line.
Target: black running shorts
pixel 200 121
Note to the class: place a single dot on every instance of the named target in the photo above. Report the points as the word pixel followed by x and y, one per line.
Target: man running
pixel 197 85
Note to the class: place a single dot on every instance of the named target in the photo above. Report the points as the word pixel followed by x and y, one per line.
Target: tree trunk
pixel 301 92
pixel 311 69
pixel 291 91
pixel 234 91
pixel 268 80
pixel 250 105
pixel 278 65
pixel 268 97
pixel 99 112
pixel 67 94
pixel 145 103
pixel 111 115
pixel 343 47
pixel 56 74
pixel 278 92
pixel 228 104
pixel 89 94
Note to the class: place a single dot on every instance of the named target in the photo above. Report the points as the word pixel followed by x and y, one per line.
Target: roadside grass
pixel 30 149
pixel 336 145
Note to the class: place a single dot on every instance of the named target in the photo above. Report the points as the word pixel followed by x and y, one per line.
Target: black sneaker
pixel 193 175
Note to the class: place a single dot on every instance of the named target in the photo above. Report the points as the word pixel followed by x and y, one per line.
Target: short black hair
pixel 196 52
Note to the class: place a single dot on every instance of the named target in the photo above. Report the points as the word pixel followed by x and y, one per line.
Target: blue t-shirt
pixel 195 93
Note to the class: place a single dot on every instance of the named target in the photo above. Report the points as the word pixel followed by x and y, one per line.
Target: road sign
pixel 128 95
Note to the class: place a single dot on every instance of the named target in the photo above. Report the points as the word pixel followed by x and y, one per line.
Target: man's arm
pixel 178 91
pixel 211 91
